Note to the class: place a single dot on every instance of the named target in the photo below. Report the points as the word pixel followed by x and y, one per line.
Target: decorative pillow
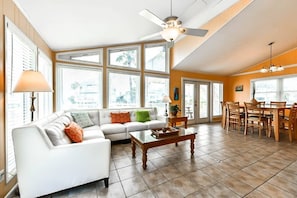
pixel 82 119
pixel 142 116
pixel 55 130
pixel 74 132
pixel 120 117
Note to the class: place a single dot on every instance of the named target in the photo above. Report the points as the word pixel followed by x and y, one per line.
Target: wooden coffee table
pixel 145 140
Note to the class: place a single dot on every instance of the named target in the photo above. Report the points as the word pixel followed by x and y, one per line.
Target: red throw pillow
pixel 74 132
pixel 120 117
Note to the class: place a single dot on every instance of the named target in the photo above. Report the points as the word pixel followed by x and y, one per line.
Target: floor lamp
pixel 32 81
pixel 166 99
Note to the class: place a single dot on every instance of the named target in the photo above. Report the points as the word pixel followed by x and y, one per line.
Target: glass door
pixel 196 101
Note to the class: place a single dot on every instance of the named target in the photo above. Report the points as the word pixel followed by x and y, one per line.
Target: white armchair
pixel 43 168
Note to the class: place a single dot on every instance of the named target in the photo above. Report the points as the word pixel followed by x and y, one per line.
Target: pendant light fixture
pixel 272 67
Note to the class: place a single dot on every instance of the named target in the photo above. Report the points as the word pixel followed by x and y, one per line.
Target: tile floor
pixel 224 165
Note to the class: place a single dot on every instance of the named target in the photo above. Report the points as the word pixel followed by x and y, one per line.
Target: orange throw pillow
pixel 120 117
pixel 74 132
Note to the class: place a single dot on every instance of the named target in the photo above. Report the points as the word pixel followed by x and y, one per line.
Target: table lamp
pixel 32 81
pixel 166 99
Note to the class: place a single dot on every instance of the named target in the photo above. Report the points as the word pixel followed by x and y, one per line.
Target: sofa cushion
pixel 82 119
pixel 153 113
pixel 122 117
pixel 113 128
pixel 104 116
pixel 74 132
pixel 93 132
pixel 55 130
pixel 135 126
pixel 154 124
pixel 142 116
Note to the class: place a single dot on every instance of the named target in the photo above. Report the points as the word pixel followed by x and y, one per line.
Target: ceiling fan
pixel 171 27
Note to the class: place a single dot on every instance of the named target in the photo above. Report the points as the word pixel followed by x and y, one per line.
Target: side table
pixel 174 119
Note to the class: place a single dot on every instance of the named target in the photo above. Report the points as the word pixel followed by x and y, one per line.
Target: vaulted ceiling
pixel 238 37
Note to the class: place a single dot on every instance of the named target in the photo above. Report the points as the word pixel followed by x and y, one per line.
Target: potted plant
pixel 174 109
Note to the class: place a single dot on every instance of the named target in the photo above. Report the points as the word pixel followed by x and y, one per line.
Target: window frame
pixel 67 55
pixel 167 69
pixel 125 48
pixel 220 100
pixel 49 78
pixel 59 66
pixel 124 72
pixel 162 110
pixel 279 87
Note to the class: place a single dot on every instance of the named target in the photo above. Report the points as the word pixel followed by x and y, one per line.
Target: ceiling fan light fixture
pixel 272 67
pixel 170 34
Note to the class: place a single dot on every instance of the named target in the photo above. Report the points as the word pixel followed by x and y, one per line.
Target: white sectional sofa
pixel 118 131
pixel 47 161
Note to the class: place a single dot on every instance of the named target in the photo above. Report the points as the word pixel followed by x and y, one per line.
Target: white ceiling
pixel 240 43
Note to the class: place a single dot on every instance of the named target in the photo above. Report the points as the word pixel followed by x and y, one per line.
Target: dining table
pixel 274 109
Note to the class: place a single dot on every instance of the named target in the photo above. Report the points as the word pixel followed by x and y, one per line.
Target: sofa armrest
pixel 161 118
pixel 43 169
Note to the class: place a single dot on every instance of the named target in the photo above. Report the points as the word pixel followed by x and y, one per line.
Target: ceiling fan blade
pixel 194 32
pixel 150 36
pixel 152 17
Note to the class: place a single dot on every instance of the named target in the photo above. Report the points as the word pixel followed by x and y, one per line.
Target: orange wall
pixel 9 9
pixel 176 81
pixel 285 59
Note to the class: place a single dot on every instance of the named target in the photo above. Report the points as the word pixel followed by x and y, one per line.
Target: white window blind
pixel 45 99
pixel 20 55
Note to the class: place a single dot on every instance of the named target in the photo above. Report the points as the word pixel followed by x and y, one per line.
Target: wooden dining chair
pixel 224 114
pixel 254 117
pixel 290 123
pixel 281 112
pixel 235 117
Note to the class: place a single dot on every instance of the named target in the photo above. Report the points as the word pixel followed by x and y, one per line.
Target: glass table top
pixel 147 136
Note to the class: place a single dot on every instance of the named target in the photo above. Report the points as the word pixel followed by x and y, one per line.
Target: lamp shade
pixel 32 81
pixel 166 99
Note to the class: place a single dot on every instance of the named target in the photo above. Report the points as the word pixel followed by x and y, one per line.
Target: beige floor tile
pixel 113 191
pixel 166 190
pixel 170 172
pixel 257 194
pixel 134 186
pixel 144 194
pixel 184 185
pixel 237 186
pixel 274 191
pixel 221 191
pixel 283 183
pixel 127 172
pixel 154 178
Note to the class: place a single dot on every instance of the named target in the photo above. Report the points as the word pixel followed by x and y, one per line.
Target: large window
pixel 45 66
pixel 20 54
pixel 127 57
pixel 156 57
pixel 275 89
pixel 289 90
pixel 155 88
pixel 123 89
pixel 79 87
